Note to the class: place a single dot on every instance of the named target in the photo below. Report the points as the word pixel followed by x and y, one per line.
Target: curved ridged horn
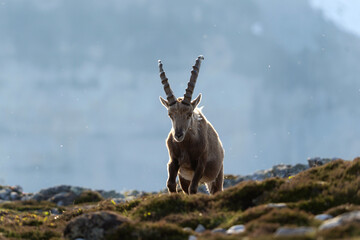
pixel 164 80
pixel 191 85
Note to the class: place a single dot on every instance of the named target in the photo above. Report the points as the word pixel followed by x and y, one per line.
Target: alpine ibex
pixel 195 150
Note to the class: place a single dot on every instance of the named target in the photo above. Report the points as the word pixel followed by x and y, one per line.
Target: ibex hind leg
pixel 184 184
pixel 217 185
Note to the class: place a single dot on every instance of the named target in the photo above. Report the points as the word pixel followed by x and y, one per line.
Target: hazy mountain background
pixel 79 86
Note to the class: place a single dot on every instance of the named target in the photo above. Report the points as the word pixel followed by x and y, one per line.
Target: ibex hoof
pixel 171 187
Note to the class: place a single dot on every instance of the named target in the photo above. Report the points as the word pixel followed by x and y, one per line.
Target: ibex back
pixel 195 150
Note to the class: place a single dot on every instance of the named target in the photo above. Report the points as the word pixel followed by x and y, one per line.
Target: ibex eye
pixel 189 115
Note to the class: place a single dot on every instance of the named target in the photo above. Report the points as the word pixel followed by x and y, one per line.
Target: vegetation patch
pixel 88 197
pixel 246 194
pixel 29 205
pixel 208 220
pixel 331 189
pixel 156 207
pixel 148 231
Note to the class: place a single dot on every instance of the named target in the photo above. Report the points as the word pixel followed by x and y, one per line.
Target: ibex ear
pixel 164 102
pixel 196 101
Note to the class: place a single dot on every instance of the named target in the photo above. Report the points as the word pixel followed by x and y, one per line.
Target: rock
pixel 236 229
pixel 48 193
pixel 282 170
pixel 187 229
pixel 110 194
pixel 27 196
pixel 78 190
pixel 17 189
pixel 341 220
pixel 219 230
pixel 276 205
pixel 14 196
pixel 37 196
pixel 93 225
pixel 132 193
pixel 262 174
pixel 192 237
pixel 63 198
pixel 314 162
pixel 200 228
pixel 5 194
pixel 54 211
pixel 299 231
pixel 130 198
pixel 323 217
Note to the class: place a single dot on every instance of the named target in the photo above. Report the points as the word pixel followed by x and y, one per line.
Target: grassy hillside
pixel 332 189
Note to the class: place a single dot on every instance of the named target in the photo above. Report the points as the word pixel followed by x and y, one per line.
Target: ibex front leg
pixel 173 168
pixel 198 174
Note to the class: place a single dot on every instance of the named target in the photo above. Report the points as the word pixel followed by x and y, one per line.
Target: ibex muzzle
pixel 196 152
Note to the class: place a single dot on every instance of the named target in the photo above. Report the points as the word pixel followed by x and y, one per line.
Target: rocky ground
pixel 318 200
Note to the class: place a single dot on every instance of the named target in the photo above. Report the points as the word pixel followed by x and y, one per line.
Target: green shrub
pixel 88 197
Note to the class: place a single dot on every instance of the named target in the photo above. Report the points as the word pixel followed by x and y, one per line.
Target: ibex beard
pixel 195 150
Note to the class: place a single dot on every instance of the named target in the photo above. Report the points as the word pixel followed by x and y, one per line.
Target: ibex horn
pixel 191 85
pixel 164 80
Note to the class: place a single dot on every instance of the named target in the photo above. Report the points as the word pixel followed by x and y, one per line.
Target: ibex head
pixel 181 110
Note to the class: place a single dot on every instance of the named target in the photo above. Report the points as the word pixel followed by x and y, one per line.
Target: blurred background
pixel 79 85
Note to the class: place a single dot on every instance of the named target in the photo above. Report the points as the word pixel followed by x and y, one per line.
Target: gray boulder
pixel 317 161
pixel 298 231
pixel 63 198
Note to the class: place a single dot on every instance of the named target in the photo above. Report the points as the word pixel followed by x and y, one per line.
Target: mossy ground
pixel 333 189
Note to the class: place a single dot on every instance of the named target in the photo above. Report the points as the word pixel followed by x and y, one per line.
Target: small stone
pixel 323 217
pixel 187 229
pixel 200 228
pixel 340 220
pixel 300 231
pixel 54 211
pixel 192 237
pixel 219 230
pixel 236 229
pixel 276 205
